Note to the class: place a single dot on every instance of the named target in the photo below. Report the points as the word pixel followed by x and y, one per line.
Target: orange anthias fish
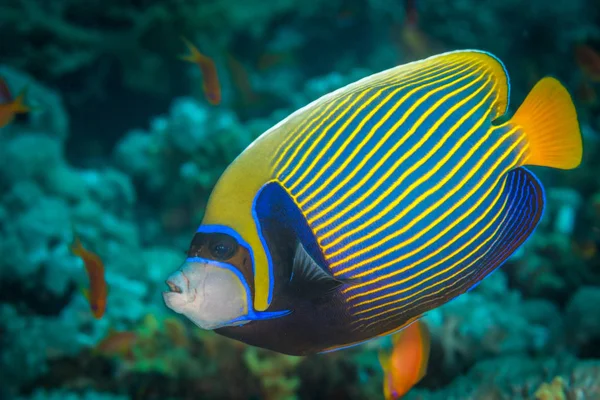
pixel 412 41
pixel 587 94
pixel 412 15
pixel 407 363
pixel 241 80
pixel 117 344
pixel 210 79
pixel 94 267
pixel 9 106
pixel 589 61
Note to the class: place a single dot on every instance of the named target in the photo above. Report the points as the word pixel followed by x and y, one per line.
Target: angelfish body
pixel 375 203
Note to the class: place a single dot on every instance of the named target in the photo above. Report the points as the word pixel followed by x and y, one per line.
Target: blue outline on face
pixel 227 230
pixel 252 315
pixel 264 244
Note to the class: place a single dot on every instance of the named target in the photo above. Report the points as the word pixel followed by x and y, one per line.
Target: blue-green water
pixel 122 146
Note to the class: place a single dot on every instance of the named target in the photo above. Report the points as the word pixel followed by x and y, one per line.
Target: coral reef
pixel 63 38
pixel 273 371
pixel 521 377
pixel 180 159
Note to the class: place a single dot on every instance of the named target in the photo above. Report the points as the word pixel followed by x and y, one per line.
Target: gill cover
pixel 210 294
pixel 211 287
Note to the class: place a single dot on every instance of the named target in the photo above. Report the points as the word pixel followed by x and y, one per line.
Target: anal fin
pixel 524 210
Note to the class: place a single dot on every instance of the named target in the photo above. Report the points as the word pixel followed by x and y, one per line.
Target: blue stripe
pixel 524 214
pixel 303 148
pixel 395 137
pixel 425 223
pixel 411 199
pixel 335 168
pixel 430 262
pixel 525 225
pixel 251 315
pixel 378 215
pixel 229 231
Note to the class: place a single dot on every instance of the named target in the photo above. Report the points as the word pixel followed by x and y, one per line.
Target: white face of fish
pixel 210 295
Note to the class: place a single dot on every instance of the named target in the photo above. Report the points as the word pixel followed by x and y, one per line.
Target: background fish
pixel 589 61
pixel 10 106
pixel 98 290
pixel 406 364
pixel 374 204
pixel 210 79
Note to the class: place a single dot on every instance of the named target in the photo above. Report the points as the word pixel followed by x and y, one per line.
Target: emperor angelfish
pixel 358 213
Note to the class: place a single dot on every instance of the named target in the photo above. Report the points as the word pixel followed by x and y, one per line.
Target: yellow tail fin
pixel 549 120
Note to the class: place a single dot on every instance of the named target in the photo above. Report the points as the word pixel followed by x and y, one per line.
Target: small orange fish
pixel 412 14
pixel 348 14
pixel 589 61
pixel 117 344
pixel 586 93
pixel 176 332
pixel 273 59
pixel 98 291
pixel 407 363
pixel 9 106
pixel 411 41
pixel 586 249
pixel 241 80
pixel 210 79
pixel 415 41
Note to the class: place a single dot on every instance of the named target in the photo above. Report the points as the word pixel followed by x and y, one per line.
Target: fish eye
pixel 222 247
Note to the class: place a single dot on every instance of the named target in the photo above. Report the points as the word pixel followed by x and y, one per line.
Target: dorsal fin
pixel 490 64
pixel 416 71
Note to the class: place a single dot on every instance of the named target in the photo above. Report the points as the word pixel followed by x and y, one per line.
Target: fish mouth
pixel 173 288
pixel 178 295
